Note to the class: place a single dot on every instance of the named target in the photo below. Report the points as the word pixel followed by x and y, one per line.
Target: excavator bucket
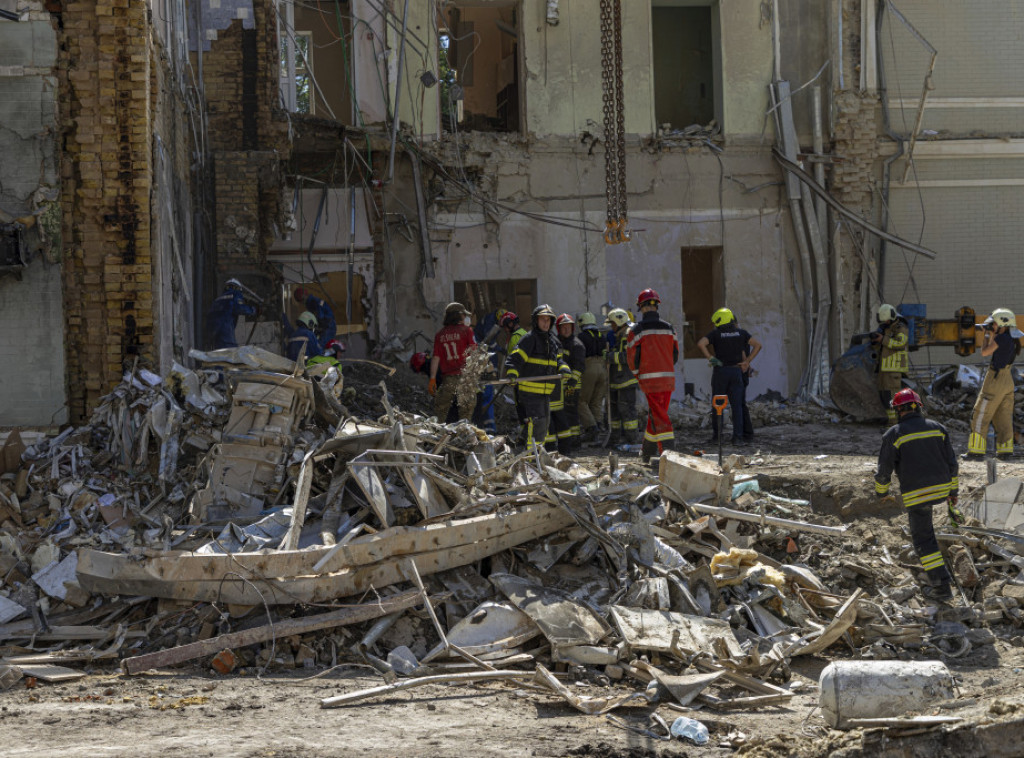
pixel 853 386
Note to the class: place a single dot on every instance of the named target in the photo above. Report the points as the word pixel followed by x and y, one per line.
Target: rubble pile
pixel 952 390
pixel 241 516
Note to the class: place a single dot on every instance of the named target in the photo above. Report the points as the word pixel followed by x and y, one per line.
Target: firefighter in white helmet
pixel 890 339
pixel 994 404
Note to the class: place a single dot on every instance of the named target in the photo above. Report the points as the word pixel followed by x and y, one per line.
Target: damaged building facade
pixel 150 151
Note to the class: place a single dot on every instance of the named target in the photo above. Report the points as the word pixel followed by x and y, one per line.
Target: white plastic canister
pixel 880 689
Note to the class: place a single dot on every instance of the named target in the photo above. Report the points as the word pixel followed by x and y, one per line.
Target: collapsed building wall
pixel 32 389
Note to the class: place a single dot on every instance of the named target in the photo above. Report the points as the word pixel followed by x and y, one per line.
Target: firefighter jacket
pixel 575 355
pixel 653 350
pixel 920 453
pixel 536 354
pixel 892 350
pixel 620 375
pixel 593 341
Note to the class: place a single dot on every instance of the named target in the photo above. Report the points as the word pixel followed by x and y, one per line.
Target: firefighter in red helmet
pixel 919 451
pixel 653 351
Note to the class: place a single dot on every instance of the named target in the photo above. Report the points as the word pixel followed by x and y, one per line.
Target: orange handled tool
pixel 720 403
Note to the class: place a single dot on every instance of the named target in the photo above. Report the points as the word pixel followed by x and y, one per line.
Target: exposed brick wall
pixel 856 140
pixel 107 175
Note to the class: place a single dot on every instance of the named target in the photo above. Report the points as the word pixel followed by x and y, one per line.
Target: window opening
pixel 297 72
pixel 485 296
pixel 703 293
pixel 684 53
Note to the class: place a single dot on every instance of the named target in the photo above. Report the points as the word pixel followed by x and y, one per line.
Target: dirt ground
pixel 193 711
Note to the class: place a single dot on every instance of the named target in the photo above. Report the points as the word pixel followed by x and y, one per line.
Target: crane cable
pixel 616 221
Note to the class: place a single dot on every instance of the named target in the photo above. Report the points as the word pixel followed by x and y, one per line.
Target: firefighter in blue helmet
pixel 224 312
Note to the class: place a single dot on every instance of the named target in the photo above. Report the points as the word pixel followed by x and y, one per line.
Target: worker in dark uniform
pixel 304 336
pixel 622 382
pixel 890 339
pixel 734 350
pixel 594 386
pixel 994 405
pixel 536 354
pixel 653 352
pixel 566 422
pixel 322 310
pixel 487 332
pixel 920 453
pixel 224 312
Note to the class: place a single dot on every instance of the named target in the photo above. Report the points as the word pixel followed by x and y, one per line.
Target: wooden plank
pixel 47 672
pixel 408 684
pixel 302 488
pixel 842 621
pixel 342 617
pixel 370 483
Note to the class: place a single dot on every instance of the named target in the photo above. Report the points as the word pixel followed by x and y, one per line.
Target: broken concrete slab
pixel 688 479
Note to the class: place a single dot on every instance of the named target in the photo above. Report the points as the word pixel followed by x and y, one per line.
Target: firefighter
pixel 487 332
pixel 566 422
pixel 994 405
pixel 920 453
pixel 420 363
pixel 594 386
pixel 451 344
pixel 891 339
pixel 735 349
pixel 512 332
pixel 304 335
pixel 331 355
pixel 321 309
pixel 622 383
pixel 653 351
pixel 537 353
pixel 224 312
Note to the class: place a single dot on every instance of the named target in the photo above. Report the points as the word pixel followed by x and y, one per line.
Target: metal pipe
pixel 395 120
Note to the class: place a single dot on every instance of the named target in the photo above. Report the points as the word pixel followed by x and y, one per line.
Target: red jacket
pixel 451 345
pixel 652 351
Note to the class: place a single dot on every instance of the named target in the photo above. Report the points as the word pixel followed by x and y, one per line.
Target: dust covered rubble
pixel 219 516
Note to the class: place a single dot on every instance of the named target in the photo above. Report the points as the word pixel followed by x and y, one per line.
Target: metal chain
pixel 620 119
pixel 609 102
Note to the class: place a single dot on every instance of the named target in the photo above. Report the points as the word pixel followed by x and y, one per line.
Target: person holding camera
pixel 994 405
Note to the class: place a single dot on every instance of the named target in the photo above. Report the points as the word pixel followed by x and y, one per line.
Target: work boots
pixel 648 450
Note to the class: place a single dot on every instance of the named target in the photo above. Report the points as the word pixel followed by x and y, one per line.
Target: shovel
pixel 720 403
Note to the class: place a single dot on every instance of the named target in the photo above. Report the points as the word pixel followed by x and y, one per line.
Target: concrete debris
pixel 194 505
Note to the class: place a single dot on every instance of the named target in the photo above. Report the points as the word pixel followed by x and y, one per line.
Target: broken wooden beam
pixel 756 518
pixel 408 684
pixel 353 614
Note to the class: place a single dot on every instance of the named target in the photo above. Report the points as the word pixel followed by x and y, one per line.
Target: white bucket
pixel 880 689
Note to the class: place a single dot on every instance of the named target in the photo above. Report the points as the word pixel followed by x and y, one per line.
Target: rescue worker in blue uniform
pixel 304 335
pixel 919 451
pixel 224 312
pixel 321 310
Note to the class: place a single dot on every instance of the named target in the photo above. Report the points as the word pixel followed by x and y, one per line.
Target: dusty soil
pixel 193 711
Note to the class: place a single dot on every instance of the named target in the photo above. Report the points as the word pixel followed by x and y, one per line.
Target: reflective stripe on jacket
pixel 652 351
pixel 536 354
pixel 620 375
pixel 892 354
pixel 920 453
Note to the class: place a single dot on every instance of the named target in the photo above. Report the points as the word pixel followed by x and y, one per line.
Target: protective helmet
pixel 418 361
pixel 509 320
pixel 905 397
pixel 1003 317
pixel 617 318
pixel 308 320
pixel 586 319
pixel 565 318
pixel 646 297
pixel 233 283
pixel 722 316
pixel 300 294
pixel 335 348
pixel 886 313
pixel 541 310
pixel 456 308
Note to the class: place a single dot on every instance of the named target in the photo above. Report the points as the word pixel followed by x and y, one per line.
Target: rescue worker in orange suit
pixel 594 386
pixel 891 339
pixel 451 344
pixel 994 404
pixel 920 453
pixel 734 348
pixel 536 354
pixel 653 351
pixel 622 383
pixel 566 421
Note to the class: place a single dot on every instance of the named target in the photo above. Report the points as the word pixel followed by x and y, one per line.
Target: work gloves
pixel 432 387
pixel 571 386
pixel 714 362
pixel 956 517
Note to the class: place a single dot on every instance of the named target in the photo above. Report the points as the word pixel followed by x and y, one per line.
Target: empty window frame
pixel 703 293
pixel 479 63
pixel 686 51
pixel 485 296
pixel 297 72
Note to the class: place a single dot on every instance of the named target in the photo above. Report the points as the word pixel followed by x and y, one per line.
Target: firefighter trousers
pixel 535 412
pixel 625 422
pixel 922 534
pixel 659 426
pixel 592 392
pixel 994 406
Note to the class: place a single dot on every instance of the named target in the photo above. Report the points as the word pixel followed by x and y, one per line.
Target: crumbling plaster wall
pixel 32 390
